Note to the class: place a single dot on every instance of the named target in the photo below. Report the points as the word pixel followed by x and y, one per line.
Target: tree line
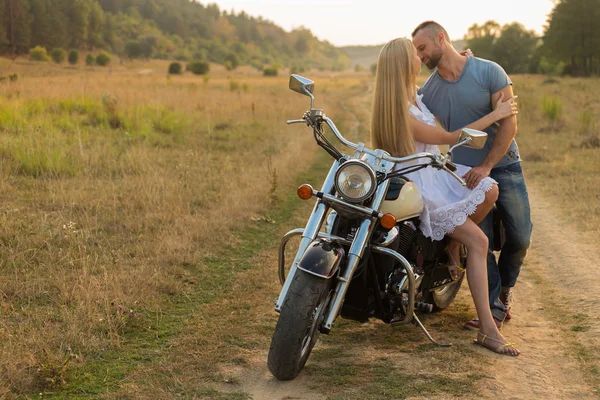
pixel 166 29
pixel 570 44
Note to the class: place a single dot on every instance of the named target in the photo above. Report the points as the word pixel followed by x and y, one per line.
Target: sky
pixel 369 22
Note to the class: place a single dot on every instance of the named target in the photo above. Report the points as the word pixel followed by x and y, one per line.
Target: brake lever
pixel 458 178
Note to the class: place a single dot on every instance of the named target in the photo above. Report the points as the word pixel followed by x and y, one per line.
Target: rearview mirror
pixel 302 85
pixel 477 138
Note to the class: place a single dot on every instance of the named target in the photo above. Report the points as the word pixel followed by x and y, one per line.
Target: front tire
pixel 297 329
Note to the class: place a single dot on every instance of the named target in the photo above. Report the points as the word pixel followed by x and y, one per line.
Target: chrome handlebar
pixel 310 116
pixel 436 159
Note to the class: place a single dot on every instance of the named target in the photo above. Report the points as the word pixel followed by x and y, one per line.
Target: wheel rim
pixel 313 332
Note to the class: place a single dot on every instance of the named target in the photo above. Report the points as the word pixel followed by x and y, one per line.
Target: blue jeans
pixel 514 209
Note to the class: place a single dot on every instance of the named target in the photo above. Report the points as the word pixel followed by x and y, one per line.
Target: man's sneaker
pixel 474 324
pixel 506 299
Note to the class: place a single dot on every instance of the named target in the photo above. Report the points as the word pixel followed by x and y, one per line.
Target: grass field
pixel 136 211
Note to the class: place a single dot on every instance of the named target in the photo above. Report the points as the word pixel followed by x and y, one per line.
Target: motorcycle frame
pixel 355 254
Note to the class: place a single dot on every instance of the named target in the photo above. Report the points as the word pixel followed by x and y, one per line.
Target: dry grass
pixel 120 187
pixel 117 186
pixel 562 156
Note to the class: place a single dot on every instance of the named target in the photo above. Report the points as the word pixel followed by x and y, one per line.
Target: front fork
pixel 357 248
pixel 313 225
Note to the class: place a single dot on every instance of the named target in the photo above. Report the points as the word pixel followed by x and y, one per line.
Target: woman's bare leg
pixel 484 208
pixel 480 213
pixel 477 245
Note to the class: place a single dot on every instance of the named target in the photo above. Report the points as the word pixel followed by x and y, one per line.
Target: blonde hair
pixel 394 88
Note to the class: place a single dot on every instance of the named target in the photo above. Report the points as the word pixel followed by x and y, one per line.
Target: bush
pixel 90 60
pixel 270 71
pixel 552 108
pixel 73 57
pixel 58 55
pixel 199 67
pixel 175 68
pixel 234 85
pixel 103 59
pixel 374 69
pixel 228 66
pixel 38 53
pixel 134 49
pixel 232 60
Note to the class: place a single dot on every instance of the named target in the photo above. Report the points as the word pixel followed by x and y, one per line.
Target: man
pixel 460 91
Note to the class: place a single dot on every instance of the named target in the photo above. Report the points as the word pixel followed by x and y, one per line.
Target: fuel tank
pixel 403 200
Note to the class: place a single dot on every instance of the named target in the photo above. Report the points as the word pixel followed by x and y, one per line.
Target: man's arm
pixel 506 133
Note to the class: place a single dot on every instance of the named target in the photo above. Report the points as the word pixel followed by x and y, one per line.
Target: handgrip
pixel 451 166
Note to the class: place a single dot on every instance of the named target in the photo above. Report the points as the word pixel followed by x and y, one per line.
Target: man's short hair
pixel 433 27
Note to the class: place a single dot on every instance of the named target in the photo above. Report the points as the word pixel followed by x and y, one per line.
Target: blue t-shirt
pixel 457 104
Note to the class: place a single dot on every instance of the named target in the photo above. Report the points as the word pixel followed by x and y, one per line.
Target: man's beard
pixel 435 58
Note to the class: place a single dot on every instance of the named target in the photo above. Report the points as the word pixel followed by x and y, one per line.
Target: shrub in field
pixel 232 60
pixel 591 142
pixel 228 66
pixel 552 108
pixel 586 121
pixel 199 67
pixel 103 59
pixel 373 68
pixel 58 55
pixel 73 57
pixel 38 53
pixel 90 60
pixel 234 85
pixel 270 71
pixel 175 68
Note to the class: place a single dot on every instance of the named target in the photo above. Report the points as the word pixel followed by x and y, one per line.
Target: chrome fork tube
pixel 363 234
pixel 313 225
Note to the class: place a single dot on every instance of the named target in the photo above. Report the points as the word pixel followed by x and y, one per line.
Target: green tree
pixel 73 57
pixel 199 67
pixel 480 39
pixel 95 37
pixel 175 68
pixel 79 11
pixel 232 60
pixel 38 53
pixel 18 21
pixel 90 60
pixel 58 55
pixel 48 27
pixel 573 35
pixel 103 59
pixel 514 48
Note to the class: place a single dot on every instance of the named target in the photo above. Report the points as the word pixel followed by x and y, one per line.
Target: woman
pixel 402 125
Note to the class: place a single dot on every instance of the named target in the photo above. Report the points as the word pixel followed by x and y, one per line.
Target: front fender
pixel 322 258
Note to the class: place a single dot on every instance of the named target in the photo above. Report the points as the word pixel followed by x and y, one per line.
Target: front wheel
pixel 297 329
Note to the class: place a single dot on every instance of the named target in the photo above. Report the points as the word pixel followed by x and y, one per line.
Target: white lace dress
pixel 447 203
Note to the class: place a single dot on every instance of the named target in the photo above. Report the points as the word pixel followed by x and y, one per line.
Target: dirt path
pixel 556 326
pixel 549 366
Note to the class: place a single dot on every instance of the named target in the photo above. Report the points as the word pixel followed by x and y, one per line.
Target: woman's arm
pixel 435 135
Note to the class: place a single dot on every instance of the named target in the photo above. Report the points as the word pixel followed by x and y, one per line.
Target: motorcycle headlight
pixel 355 181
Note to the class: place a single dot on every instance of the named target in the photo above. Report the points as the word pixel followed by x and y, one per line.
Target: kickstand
pixel 420 325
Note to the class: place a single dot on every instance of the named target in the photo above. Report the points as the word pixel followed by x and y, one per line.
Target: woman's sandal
pixel 454 268
pixel 495 345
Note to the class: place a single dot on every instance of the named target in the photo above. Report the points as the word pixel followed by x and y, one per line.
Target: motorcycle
pixel 370 260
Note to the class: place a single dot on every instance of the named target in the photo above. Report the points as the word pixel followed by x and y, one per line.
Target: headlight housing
pixel 355 181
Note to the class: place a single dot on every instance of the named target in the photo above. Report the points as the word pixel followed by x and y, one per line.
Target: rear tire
pixel 297 329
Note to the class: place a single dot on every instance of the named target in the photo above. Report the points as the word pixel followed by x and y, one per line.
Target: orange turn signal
pixel 305 191
pixel 388 221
